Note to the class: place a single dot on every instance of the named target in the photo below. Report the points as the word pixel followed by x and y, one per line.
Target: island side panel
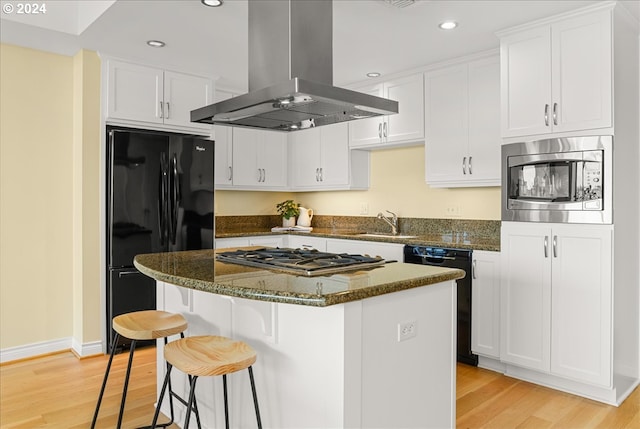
pixel 410 383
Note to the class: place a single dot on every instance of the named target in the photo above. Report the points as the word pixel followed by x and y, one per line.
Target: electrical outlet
pixel 453 210
pixel 407 330
pixel 364 208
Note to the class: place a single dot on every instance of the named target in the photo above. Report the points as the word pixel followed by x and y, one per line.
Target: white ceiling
pixel 369 35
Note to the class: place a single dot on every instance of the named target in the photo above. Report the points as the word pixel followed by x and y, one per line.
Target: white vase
pixel 287 223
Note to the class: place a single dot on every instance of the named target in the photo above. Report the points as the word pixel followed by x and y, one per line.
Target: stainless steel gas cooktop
pixel 300 261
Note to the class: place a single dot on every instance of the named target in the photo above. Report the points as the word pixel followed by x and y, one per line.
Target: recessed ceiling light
pixel 373 74
pixel 212 3
pixel 155 43
pixel 448 25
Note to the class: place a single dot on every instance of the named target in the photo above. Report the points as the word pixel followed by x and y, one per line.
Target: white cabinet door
pixel 408 124
pixel 526 82
pixel 581 297
pixel 484 162
pixel 223 161
pixel 388 251
pixel 259 159
pixel 335 156
pixel 182 94
pixel 582 73
pixel 272 158
pixel 223 243
pixel 246 144
pixel 223 137
pixel 446 124
pixel 462 146
pixel 485 304
pixel 367 132
pixel 558 77
pixel 321 158
pixel 267 241
pixel 306 242
pixel 525 295
pixel 135 92
pixel 305 150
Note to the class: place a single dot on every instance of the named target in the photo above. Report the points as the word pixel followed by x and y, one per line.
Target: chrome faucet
pixel 392 221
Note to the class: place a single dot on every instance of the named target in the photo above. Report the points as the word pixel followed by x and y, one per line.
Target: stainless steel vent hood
pixel 291 73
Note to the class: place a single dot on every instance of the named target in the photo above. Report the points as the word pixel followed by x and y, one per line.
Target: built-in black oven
pixel 451 258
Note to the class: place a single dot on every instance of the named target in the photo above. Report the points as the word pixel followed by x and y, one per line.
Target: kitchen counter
pixel 198 269
pixel 459 240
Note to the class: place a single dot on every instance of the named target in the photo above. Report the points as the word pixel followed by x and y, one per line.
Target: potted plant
pixel 288 210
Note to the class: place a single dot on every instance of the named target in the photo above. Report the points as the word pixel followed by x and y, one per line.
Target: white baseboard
pixel 32 350
pixel 86 349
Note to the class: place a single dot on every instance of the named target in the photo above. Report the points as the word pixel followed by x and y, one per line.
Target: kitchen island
pixel 368 348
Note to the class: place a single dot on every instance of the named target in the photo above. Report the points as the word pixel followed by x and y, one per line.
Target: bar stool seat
pixel 141 325
pixel 209 355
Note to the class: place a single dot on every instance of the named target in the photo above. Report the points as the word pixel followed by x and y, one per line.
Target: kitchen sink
pixel 385 236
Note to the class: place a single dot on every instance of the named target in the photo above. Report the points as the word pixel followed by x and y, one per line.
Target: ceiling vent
pixel 400 3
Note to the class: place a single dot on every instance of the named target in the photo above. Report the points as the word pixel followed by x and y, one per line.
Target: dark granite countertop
pixel 457 240
pixel 198 269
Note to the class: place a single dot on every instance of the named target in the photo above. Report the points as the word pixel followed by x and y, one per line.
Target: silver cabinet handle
pixel 380 130
pixel 470 171
pixel 264 175
pixel 230 173
pixel 161 110
pixel 555 113
pixel 168 111
pixel 259 175
pixel 546 115
pixel 321 174
pixel 464 165
pixel 546 245
pixel 473 270
pixel 555 246
pixel 317 174
pixel 384 128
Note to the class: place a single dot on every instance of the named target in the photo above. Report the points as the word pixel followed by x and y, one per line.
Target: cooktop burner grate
pixel 300 261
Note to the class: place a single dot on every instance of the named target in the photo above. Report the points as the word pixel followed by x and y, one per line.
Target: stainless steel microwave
pixel 565 180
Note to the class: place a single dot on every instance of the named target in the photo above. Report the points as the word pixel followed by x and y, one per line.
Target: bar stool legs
pixel 208 355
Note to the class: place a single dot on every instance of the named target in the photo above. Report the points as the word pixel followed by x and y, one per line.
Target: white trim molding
pixel 45 347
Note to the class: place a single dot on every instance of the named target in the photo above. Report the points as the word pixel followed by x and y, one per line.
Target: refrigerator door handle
pixel 175 198
pixel 162 204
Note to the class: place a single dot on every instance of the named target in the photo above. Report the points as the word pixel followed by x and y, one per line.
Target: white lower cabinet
pixel 485 304
pixel 306 242
pixel 556 298
pixel 258 240
pixel 388 251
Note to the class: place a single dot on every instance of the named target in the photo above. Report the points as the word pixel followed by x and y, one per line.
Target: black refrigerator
pixel 160 195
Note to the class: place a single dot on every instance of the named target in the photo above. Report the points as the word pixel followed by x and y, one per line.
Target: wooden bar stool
pixel 142 325
pixel 208 355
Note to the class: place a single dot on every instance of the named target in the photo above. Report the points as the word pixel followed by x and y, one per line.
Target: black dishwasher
pixel 451 258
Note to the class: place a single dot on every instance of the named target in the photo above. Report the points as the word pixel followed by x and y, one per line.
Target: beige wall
pixel 49 147
pixel 397 184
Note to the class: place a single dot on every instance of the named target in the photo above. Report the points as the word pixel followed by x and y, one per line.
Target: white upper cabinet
pixel 223 137
pixel 406 127
pixel 462 112
pixel 557 77
pixel 259 159
pixel 320 159
pixel 141 94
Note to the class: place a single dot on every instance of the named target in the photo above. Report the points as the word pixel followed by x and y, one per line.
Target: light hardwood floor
pixel 59 391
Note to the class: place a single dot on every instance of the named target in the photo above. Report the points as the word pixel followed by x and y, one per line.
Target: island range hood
pixel 291 73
